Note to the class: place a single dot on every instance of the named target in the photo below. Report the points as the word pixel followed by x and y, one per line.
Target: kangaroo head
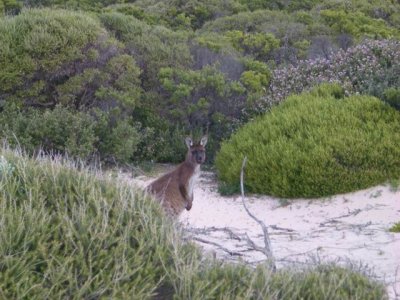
pixel 196 151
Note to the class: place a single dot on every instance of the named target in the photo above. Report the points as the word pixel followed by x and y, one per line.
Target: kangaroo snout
pixel 188 205
pixel 200 159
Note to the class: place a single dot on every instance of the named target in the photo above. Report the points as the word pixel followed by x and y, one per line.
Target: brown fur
pixel 174 190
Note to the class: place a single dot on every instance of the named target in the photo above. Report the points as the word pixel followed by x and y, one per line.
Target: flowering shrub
pixel 369 68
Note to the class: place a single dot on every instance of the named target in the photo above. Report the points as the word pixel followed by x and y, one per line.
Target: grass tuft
pixel 395 227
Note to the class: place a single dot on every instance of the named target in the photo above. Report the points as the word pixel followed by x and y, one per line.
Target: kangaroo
pixel 174 190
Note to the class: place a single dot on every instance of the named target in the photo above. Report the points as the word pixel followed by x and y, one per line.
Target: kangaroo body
pixel 174 190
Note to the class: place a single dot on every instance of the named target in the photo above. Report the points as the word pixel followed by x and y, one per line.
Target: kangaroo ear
pixel 204 140
pixel 188 142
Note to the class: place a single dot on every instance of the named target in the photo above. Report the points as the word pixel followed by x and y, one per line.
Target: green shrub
pixel 68 233
pixel 201 99
pixel 50 57
pixel 41 41
pixel 258 44
pixel 392 96
pixel 395 227
pixel 59 130
pixel 62 130
pixel 358 24
pixel 9 6
pixel 316 145
pixel 153 47
pixel 318 283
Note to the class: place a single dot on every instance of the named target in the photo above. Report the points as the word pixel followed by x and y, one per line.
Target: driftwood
pixel 249 244
pixel 267 249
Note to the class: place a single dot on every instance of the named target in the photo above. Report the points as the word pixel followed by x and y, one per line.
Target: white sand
pixel 346 227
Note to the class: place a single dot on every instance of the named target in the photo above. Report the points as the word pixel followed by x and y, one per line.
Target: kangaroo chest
pixel 193 180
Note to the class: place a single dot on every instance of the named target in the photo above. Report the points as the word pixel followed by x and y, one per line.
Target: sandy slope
pixel 341 228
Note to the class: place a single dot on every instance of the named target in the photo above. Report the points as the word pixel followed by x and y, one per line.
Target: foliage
pixel 71 233
pixel 61 57
pixel 392 96
pixel 369 68
pixel 260 44
pixel 395 227
pixel 112 56
pixel 315 144
pixel 378 9
pixel 67 86
pixel 9 7
pixel 162 143
pixel 63 130
pixel 153 47
pixel 83 5
pixel 311 285
pixel 201 99
pixel 357 24
pixel 191 14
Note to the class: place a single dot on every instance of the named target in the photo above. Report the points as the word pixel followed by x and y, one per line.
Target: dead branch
pixel 395 284
pixel 230 252
pixel 335 220
pixel 205 231
pixel 275 227
pixel 267 250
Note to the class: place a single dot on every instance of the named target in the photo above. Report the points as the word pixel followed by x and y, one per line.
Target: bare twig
pixel 230 252
pixel 395 284
pixel 204 231
pixel 281 228
pixel 334 220
pixel 267 250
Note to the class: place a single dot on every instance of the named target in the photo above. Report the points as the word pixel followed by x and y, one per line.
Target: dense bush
pixel 69 233
pixel 357 24
pixel 153 47
pixel 316 144
pixel 379 9
pixel 168 68
pixel 56 56
pixel 9 7
pixel 369 68
pixel 65 131
pixel 86 5
pixel 180 15
pixel 67 86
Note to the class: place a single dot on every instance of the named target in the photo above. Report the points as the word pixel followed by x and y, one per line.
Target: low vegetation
pixel 395 227
pixel 370 68
pixel 150 72
pixel 68 232
pixel 123 81
pixel 316 144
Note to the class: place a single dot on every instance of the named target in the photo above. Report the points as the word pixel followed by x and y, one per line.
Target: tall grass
pixel 70 233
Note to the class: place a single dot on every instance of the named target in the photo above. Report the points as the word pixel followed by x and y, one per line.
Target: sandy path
pixel 341 228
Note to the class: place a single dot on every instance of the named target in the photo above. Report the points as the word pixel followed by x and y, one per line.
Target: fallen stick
pixel 281 228
pixel 230 252
pixel 267 250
